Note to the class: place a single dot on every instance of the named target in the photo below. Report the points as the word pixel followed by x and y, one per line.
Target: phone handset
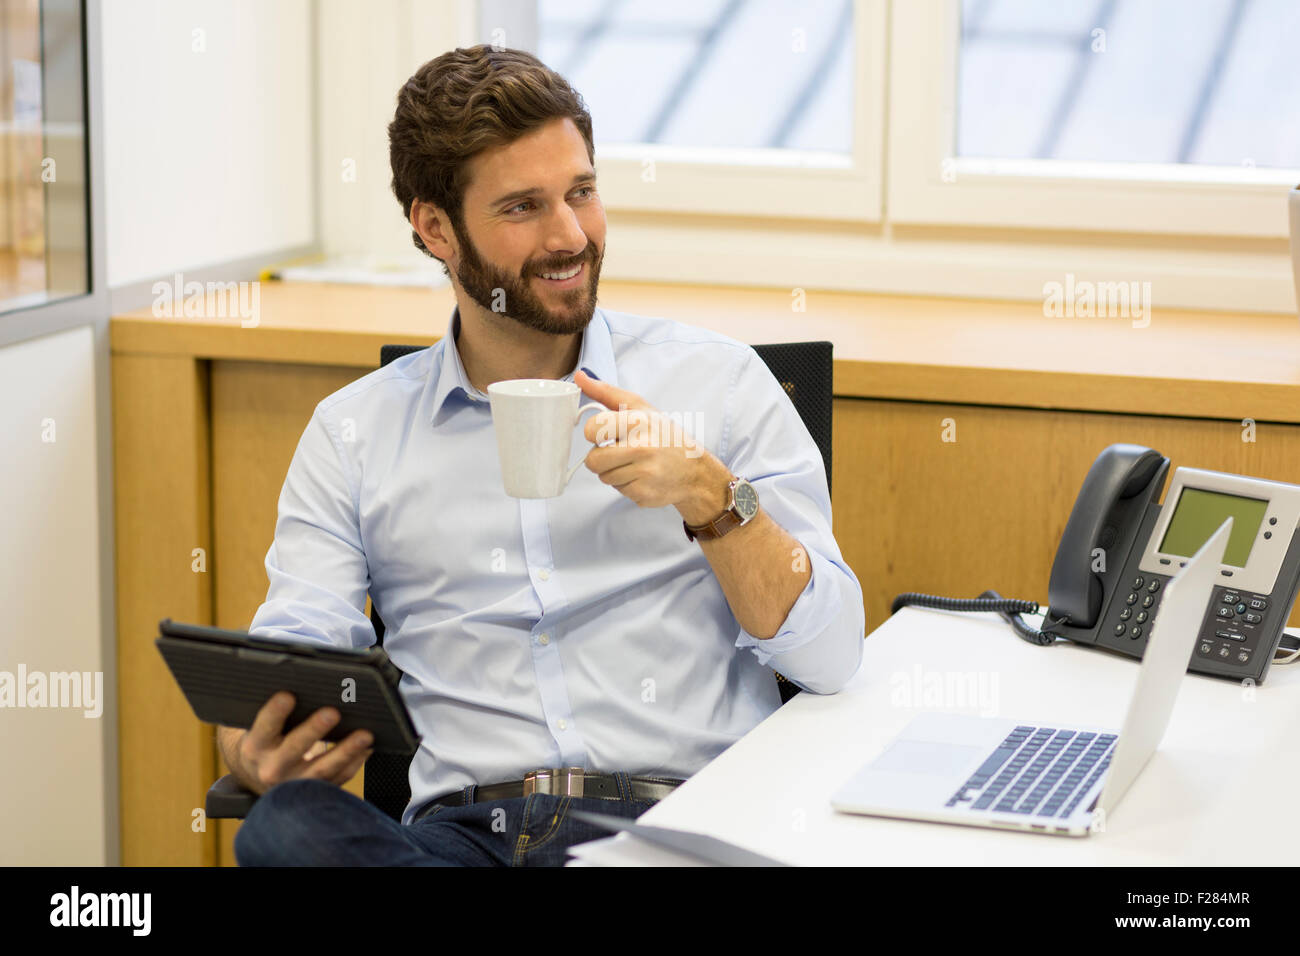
pixel 1120 548
pixel 1113 506
pixel 1119 490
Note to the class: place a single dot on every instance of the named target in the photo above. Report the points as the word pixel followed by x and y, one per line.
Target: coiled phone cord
pixel 1287 651
pixel 1009 608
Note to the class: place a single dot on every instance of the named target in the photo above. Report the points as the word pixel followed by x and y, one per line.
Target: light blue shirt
pixel 580 630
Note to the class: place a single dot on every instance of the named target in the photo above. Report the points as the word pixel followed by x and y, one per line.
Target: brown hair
pixel 465 101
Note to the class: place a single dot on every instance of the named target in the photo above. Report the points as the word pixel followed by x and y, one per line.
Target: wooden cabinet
pixel 962 434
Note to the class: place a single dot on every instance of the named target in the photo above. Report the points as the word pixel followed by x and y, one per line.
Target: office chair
pixel 804 370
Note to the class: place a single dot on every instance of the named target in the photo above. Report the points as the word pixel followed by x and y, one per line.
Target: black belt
pixel 562 781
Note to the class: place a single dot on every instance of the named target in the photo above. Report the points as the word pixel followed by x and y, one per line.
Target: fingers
pixel 622 425
pixel 621 475
pixel 608 395
pixel 273 758
pixel 269 723
pixel 298 741
pixel 318 748
pixel 340 764
pixel 601 427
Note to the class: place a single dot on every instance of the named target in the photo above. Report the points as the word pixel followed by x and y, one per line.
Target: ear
pixel 434 229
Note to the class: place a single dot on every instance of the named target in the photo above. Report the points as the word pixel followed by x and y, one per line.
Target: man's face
pixel 557 226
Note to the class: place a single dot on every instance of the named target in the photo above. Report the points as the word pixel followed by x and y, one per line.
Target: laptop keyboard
pixel 1038 771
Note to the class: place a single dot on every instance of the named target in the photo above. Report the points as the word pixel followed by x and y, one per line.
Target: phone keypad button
pixel 1206 648
pixel 1225 612
pixel 1119 630
pixel 1125 614
pixel 1224 651
pixel 1148 601
pixel 1141 617
pixel 1137 583
pixel 1258 604
pixel 1243 656
pixel 1253 618
pixel 1154 586
pixel 1230 598
pixel 1134 632
pixel 1132 597
pixel 1241 608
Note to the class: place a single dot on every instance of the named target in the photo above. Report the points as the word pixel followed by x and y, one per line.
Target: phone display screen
pixel 1199 514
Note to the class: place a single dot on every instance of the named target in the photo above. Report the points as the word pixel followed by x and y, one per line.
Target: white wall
pixel 53 798
pixel 367 52
pixel 208 132
pixel 208 158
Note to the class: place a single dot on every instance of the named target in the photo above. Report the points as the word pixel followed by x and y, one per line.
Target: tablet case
pixel 228 676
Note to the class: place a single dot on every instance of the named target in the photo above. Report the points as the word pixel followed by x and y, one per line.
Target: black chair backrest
pixel 804 369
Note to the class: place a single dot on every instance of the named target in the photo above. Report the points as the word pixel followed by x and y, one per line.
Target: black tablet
pixel 228 676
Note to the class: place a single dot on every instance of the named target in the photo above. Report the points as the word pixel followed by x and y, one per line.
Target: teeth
pixel 563 275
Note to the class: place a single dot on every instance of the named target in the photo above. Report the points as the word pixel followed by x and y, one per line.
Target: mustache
pixel 562 266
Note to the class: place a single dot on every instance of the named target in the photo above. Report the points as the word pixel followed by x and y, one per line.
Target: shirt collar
pixel 596 358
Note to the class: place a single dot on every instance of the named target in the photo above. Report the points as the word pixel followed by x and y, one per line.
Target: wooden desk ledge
pixel 1182 363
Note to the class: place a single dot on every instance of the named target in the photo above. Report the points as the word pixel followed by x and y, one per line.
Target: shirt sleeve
pixel 819 645
pixel 316 566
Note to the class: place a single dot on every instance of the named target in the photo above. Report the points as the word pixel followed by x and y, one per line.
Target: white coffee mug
pixel 534 420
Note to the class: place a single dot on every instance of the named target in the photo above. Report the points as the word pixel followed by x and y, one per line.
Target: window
pixel 741 107
pixel 1154 81
pixel 1019 128
pixel 988 153
pixel 43 181
pixel 750 74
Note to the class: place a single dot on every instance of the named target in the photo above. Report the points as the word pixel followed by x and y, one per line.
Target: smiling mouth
pixel 564 278
pixel 564 275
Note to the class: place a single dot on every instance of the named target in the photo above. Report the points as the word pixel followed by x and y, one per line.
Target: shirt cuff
pixel 817 606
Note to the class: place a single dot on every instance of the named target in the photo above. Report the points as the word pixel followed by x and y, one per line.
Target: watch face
pixel 746 500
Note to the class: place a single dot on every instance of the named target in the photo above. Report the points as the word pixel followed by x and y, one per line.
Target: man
pixel 628 627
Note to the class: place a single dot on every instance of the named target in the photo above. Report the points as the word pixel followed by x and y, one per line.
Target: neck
pixel 496 348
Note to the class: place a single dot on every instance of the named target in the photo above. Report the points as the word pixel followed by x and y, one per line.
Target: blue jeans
pixel 314 823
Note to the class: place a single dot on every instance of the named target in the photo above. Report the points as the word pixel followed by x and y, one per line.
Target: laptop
pixel 1035 776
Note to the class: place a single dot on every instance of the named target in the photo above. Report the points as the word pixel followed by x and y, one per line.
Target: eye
pixel 526 202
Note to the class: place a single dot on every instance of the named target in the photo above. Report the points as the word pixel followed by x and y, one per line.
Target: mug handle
pixel 574 470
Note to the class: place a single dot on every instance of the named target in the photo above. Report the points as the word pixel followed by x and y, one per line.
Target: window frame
pixel 685 237
pixel 794 184
pixel 930 185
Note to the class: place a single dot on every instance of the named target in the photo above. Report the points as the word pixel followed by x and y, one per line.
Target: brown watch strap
pixel 715 528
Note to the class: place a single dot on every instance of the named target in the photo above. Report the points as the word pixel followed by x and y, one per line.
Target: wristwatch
pixel 741 508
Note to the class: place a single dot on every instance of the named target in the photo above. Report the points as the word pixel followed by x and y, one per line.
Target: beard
pixel 499 292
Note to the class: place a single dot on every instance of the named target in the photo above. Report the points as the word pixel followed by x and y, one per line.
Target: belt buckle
pixel 544 781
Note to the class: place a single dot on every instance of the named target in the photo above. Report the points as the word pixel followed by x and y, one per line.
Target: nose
pixel 565 235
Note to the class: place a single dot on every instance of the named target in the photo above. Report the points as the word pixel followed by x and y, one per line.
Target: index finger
pixel 607 429
pixel 269 722
pixel 600 423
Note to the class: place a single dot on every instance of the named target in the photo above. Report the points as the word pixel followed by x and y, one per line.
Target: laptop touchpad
pixel 925 756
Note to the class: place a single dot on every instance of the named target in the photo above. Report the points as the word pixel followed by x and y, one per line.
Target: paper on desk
pixel 699 845
pixel 362 270
pixel 625 850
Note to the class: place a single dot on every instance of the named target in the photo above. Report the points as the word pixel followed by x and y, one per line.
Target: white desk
pixel 1216 793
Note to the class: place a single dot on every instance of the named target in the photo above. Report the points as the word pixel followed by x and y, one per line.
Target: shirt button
pixel 561 723
pixel 544 574
pixel 544 638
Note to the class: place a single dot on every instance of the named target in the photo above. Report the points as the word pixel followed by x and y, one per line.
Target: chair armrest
pixel 227 799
